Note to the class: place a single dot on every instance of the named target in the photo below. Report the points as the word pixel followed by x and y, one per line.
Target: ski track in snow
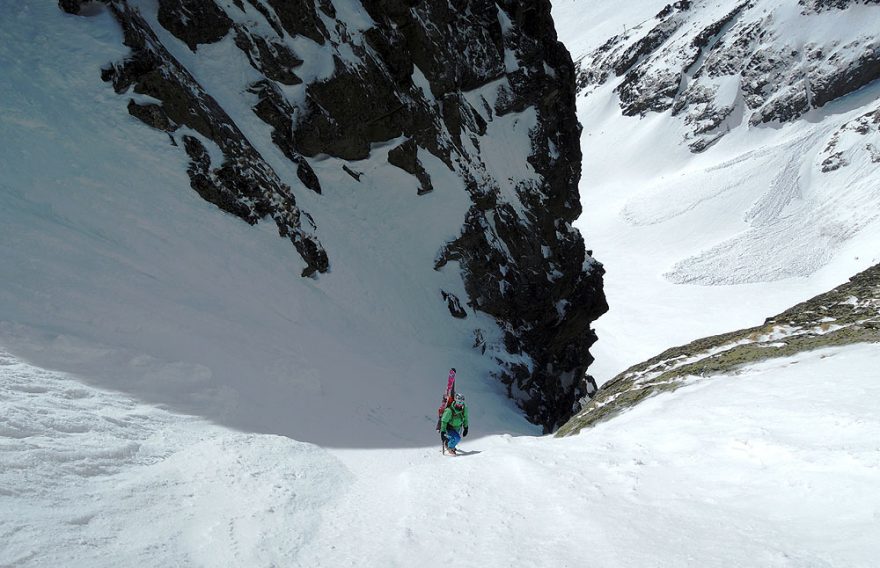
pixel 790 234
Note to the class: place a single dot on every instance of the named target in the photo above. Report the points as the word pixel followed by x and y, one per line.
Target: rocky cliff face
pixel 714 64
pixel 434 80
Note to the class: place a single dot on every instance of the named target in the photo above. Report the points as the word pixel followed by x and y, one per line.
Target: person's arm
pixel 444 420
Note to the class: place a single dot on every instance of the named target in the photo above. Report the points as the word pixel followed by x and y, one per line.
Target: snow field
pixel 94 478
pixel 721 473
pixel 700 244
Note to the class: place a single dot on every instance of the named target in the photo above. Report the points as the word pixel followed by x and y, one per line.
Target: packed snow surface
pixel 721 473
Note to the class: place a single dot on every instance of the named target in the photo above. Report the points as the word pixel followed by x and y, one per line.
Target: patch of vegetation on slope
pixel 847 314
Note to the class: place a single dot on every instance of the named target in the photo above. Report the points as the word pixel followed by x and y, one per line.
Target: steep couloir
pixel 482 90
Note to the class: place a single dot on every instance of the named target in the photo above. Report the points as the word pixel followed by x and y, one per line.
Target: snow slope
pixel 184 431
pixel 722 473
pixel 700 244
pixel 116 270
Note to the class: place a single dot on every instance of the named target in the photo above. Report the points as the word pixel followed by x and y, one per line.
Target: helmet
pixel 459 400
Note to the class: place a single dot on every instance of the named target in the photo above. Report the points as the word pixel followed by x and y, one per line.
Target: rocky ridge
pixel 432 79
pixel 243 184
pixel 845 315
pixel 861 135
pixel 715 65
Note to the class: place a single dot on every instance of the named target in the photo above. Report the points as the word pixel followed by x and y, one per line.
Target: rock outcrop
pixel 845 315
pixel 856 136
pixel 711 64
pixel 243 183
pixel 431 79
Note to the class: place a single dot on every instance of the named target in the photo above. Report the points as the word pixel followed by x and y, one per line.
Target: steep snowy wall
pixel 474 95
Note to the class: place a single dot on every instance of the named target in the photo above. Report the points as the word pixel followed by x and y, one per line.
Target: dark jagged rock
pixel 823 5
pixel 244 184
pixel 274 110
pixel 71 6
pixel 327 7
pixel 521 296
pixel 307 175
pixel 346 113
pixel 275 60
pixel 502 254
pixel 705 37
pixel 299 18
pixel 208 182
pixel 647 44
pixel 152 115
pixel 681 65
pixel 405 157
pixel 639 96
pixel 845 80
pixel 432 78
pixel 352 173
pixel 269 15
pixel 454 305
pixel 194 21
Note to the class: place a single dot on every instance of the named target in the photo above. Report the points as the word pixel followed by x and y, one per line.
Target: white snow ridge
pixel 156 409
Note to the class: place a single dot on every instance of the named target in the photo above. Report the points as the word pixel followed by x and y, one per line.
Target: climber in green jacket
pixel 453 420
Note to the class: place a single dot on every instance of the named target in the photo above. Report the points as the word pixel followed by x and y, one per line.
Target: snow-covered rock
pixel 711 63
pixel 481 90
